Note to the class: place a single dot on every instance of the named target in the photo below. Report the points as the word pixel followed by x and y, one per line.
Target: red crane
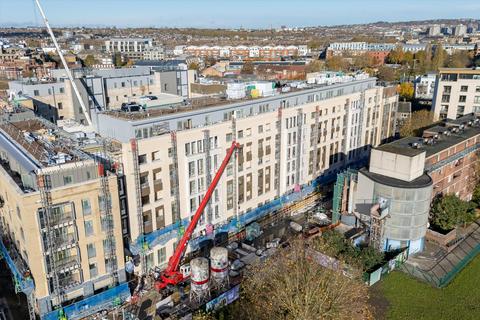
pixel 171 275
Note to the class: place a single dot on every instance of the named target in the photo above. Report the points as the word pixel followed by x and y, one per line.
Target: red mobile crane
pixel 171 275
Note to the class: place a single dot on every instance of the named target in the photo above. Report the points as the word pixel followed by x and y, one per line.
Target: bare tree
pixel 290 285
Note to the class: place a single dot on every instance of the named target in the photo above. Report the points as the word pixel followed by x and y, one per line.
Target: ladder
pixel 138 192
pixel 44 186
pixel 107 218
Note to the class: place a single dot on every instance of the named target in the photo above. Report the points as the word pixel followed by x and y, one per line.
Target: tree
pixel 248 68
pixel 405 90
pixel 439 57
pixel 117 59
pixel 386 74
pixel 459 59
pixel 450 211
pixel 364 61
pixel 396 55
pixel 194 66
pixel 315 66
pixel 476 195
pixel 418 120
pixel 336 63
pixel 289 285
pixel 89 61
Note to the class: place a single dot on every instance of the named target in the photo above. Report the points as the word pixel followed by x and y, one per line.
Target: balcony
pixel 67 263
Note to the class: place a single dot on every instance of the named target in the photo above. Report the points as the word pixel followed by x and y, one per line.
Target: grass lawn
pixel 411 299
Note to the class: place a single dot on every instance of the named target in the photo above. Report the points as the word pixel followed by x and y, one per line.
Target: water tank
pixel 218 261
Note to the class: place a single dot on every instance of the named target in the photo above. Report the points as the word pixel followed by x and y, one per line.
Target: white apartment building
pixel 425 86
pixel 457 93
pixel 131 47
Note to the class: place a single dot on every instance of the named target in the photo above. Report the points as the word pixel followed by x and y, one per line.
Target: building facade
pixel 60 213
pixel 457 93
pixel 287 140
pixel 133 48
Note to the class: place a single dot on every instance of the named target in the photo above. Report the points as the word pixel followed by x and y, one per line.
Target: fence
pixel 396 262
pixel 103 301
pixel 442 281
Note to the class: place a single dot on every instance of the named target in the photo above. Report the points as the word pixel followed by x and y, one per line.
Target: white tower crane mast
pixel 62 58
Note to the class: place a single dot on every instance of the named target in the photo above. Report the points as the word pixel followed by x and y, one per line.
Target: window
pixel 191 168
pixel 155 155
pixel 162 256
pixel 62 90
pixel 67 180
pixel 86 207
pixel 240 134
pixel 476 99
pixel 93 270
pixel 88 228
pixel 260 129
pixel 447 89
pixel 36 93
pixel 477 89
pixel 142 159
pixel 464 88
pixel 91 251
pixel 228 137
pixel 60 106
pixel 462 99
pixel 445 98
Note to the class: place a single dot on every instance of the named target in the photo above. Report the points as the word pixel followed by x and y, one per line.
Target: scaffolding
pixel 108 225
pixel 138 194
pixel 278 149
pixel 44 186
pixel 315 142
pixel 22 280
pixel 340 192
pixel 208 173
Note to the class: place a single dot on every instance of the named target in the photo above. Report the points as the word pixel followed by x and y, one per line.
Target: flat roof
pixel 421 182
pixel 218 103
pixel 41 143
pixel 462 70
pixel 405 146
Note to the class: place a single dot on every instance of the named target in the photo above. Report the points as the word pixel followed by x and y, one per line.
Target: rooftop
pixel 43 143
pixel 219 102
pixel 437 138
pixel 420 182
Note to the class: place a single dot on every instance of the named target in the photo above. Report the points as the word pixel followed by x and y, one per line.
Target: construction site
pixel 139 214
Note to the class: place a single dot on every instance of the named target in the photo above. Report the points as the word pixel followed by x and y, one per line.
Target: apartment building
pixel 451 157
pixel 393 195
pixel 100 89
pixel 245 52
pixel 457 93
pixel 133 48
pixel 425 86
pixel 60 213
pixel 287 140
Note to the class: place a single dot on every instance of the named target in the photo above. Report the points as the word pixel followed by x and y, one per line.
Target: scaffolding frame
pixel 138 193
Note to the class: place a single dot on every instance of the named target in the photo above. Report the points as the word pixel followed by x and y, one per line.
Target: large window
pixel 91 251
pixel 86 207
pixel 88 228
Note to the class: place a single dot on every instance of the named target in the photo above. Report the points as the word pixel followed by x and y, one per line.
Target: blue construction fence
pixel 22 283
pixel 105 300
pixel 162 236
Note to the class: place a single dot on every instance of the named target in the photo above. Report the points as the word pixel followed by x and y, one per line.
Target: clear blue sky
pixel 231 13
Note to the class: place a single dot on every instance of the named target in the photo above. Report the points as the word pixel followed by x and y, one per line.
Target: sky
pixel 230 13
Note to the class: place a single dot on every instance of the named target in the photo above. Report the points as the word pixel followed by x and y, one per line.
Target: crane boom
pixel 171 275
pixel 67 70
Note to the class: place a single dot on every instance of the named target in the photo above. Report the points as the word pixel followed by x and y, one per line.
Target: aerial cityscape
pixel 205 160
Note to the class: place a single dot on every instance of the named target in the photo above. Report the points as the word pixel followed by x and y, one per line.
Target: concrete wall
pixel 394 165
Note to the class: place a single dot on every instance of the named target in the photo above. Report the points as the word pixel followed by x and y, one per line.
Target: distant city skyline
pixel 230 14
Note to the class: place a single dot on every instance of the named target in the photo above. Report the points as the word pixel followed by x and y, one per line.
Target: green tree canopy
pixel 419 119
pixel 450 211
